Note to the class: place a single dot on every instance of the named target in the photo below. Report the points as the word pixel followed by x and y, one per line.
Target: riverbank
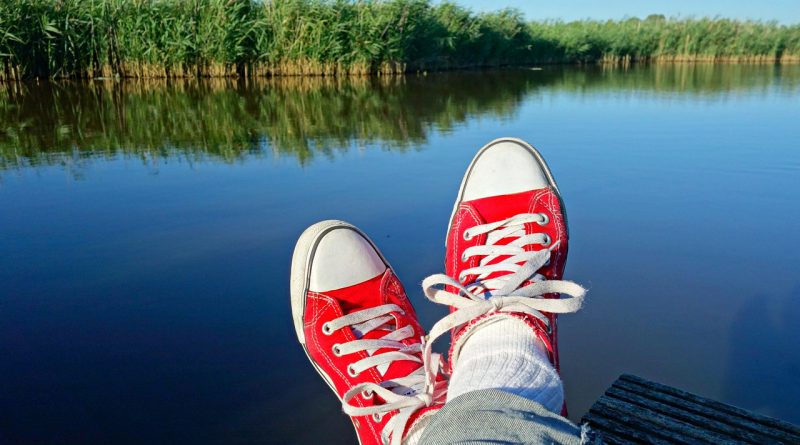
pixel 248 38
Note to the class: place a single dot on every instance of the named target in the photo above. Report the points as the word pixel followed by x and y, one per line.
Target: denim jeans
pixel 492 416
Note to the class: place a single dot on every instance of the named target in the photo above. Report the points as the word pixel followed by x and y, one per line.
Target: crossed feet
pixel 505 254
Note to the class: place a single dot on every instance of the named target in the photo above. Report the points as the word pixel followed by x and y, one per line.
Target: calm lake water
pixel 146 231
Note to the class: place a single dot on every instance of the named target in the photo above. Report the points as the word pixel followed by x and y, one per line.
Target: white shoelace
pixel 504 293
pixel 406 394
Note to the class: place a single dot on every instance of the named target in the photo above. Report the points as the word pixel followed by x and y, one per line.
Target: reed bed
pixel 252 38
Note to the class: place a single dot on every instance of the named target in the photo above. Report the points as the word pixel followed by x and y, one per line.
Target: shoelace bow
pixel 405 394
pixel 504 293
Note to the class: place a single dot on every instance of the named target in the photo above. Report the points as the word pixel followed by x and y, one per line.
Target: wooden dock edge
pixel 635 410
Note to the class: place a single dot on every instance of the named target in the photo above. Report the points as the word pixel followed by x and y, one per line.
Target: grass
pixel 248 38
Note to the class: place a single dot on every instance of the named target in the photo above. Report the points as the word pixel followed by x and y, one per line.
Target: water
pixel 146 231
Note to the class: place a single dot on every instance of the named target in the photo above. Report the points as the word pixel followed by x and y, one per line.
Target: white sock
pixel 506 355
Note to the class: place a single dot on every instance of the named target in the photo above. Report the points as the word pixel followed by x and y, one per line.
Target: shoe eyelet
pixel 326 329
pixel 464 258
pixel 351 372
pixel 467 236
pixel 461 277
pixel 337 351
pixel 377 417
pixel 547 240
pixel 367 394
pixel 545 219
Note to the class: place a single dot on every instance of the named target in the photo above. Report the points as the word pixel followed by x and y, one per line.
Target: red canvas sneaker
pixel 360 332
pixel 506 249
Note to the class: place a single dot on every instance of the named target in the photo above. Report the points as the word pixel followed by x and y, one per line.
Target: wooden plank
pixel 689 411
pixel 735 412
pixel 612 439
pixel 618 433
pixel 675 430
pixel 635 410
pixel 692 420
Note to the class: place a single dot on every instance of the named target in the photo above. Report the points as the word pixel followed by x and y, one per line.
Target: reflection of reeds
pixel 249 38
pixel 301 117
pixel 227 118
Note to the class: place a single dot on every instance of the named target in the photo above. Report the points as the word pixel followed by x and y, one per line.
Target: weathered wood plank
pixel 709 416
pixel 635 410
pixel 675 430
pixel 772 422
pixel 692 420
pixel 617 433
pixel 611 439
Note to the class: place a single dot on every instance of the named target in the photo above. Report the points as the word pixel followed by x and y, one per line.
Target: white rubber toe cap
pixel 502 168
pixel 343 258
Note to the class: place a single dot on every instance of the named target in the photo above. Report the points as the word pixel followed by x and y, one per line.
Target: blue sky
pixel 784 11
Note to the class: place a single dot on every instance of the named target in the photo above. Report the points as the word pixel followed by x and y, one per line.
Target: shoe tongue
pixel 369 294
pixel 497 208
pixel 360 296
pixel 397 368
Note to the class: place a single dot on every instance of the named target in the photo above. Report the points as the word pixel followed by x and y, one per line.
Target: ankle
pixel 506 354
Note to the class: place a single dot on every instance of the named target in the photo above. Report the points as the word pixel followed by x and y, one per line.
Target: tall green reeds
pixel 660 39
pixel 196 38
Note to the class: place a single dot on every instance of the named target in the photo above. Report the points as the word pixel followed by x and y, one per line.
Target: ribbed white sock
pixel 505 354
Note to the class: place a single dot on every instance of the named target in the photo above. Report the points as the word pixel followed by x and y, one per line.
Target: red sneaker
pixel 506 249
pixel 360 332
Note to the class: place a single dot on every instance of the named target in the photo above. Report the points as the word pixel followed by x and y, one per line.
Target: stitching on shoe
pixel 363 354
pixel 454 234
pixel 314 336
pixel 318 310
pixel 391 284
pixel 553 206
pixel 470 211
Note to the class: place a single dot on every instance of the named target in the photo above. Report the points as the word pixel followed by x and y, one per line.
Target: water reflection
pixel 227 119
pixel 66 123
